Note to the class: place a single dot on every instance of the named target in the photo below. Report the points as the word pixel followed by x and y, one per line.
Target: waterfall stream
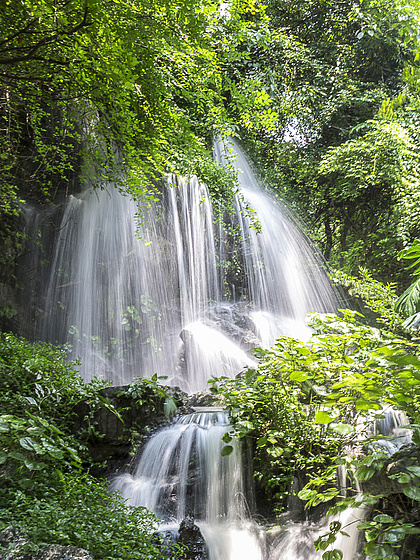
pixel 181 472
pixel 169 292
pixel 176 293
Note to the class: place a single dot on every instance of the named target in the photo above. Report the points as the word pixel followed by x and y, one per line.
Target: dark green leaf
pixel 412 492
pixel 383 518
pixel 227 450
pixel 333 555
pixel 378 551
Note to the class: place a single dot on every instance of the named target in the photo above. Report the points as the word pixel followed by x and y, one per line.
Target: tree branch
pixel 47 41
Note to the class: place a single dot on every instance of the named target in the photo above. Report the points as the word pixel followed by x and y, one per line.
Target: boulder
pixel 59 552
pixel 116 415
pixel 190 536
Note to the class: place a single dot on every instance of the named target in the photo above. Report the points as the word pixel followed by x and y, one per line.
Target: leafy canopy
pixel 114 90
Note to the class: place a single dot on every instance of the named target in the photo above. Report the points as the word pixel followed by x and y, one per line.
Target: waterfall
pixel 181 472
pixel 295 541
pixel 136 295
pixel 283 273
pixel 173 291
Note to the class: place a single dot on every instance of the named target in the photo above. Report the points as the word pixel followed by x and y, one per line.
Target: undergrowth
pixel 44 487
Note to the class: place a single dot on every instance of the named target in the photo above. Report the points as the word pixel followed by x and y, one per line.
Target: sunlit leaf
pixel 383 518
pixel 343 429
pixel 364 473
pixel 415 470
pixel 298 376
pixel 322 417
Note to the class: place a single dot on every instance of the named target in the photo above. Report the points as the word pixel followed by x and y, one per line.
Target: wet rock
pixel 201 399
pixel 116 414
pixel 58 552
pixel 233 320
pixel 166 541
pixel 190 536
pixel 13 539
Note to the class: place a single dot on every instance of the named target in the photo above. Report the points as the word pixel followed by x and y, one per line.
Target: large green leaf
pixel 299 376
pixel 409 302
pixel 227 450
pixel 412 492
pixel 364 473
pixel 343 429
pixel 410 253
pixel 322 417
pixel 378 551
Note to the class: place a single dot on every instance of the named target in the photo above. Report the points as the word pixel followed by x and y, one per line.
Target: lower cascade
pixel 182 473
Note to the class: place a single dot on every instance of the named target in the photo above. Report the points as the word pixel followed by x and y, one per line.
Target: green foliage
pixel 373 161
pixel 309 402
pixel 323 542
pixel 78 511
pixel 409 302
pixel 283 406
pixel 33 445
pixel 393 517
pixel 265 407
pixel 378 297
pixel 35 378
pixel 362 179
pixel 389 372
pixel 42 485
pixel 345 152
pixel 220 179
pixel 150 393
pixel 114 90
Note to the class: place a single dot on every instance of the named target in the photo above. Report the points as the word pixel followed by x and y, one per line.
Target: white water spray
pixel 182 472
pixel 134 298
pixel 283 273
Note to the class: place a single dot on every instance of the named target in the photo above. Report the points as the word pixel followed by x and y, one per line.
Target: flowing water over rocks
pixel 182 473
pixel 132 297
pixel 179 294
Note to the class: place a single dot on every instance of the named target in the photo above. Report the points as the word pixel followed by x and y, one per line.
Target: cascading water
pixel 134 297
pixel 283 274
pixel 121 293
pixel 181 472
pixel 294 541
